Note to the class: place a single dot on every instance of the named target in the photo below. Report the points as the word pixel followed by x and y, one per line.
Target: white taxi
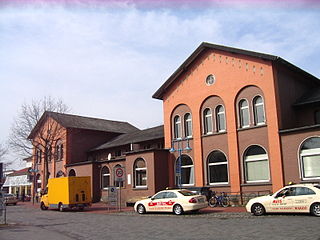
pixel 298 198
pixel 177 201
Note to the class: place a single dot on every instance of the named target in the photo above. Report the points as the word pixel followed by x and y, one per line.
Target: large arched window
pixel 217 168
pixel 72 173
pixel 207 121
pixel 105 177
pixel 258 107
pixel 256 164
pixel 188 125
pixel 177 127
pixel 186 170
pixel 59 151
pixel 140 173
pixel 310 158
pixel 244 113
pixel 221 118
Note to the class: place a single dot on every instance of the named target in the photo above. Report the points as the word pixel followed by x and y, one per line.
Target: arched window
pixel 256 164
pixel 221 119
pixel 105 177
pixel 116 183
pixel 59 151
pixel 177 127
pixel 259 116
pixel 38 178
pixel 244 113
pixel 207 121
pixel 48 153
pixel 310 158
pixel 188 125
pixel 186 170
pixel 72 173
pixel 217 168
pixel 60 174
pixel 140 173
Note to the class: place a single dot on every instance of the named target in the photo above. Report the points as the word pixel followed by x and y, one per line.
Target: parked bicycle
pixel 222 200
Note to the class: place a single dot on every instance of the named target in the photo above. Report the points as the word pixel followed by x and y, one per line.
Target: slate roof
pixel 134 137
pixel 88 123
pixel 310 97
pixel 203 46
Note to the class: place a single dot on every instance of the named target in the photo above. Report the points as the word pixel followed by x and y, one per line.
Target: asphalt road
pixel 34 224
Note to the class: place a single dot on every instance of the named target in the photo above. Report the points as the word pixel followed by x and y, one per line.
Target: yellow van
pixel 67 193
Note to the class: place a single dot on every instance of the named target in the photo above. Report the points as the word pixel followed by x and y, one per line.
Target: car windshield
pixel 187 193
pixel 8 195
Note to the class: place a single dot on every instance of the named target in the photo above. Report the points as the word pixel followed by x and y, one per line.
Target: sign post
pixel 112 196
pixel 119 177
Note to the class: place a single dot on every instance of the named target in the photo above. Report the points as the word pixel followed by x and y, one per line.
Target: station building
pixel 250 119
pixel 235 121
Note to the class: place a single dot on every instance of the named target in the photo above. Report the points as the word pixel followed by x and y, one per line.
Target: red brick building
pixel 250 119
pixel 240 122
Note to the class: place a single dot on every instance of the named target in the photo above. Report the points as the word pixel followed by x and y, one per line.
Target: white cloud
pixel 107 62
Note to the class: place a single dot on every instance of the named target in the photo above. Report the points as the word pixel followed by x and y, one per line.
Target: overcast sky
pixel 105 59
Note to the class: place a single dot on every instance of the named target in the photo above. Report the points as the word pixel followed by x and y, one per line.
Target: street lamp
pixel 180 149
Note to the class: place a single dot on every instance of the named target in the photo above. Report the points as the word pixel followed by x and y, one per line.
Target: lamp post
pixel 179 142
pixel 34 171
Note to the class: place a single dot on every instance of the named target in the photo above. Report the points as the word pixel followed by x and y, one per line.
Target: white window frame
pixel 307 153
pixel 136 169
pixel 255 107
pixel 241 109
pixel 205 125
pixel 177 133
pixel 185 166
pixel 188 122
pixel 218 116
pixel 256 158
pixel 216 164
pixel 105 175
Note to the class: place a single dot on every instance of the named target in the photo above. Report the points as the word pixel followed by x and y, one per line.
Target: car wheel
pixel 315 209
pixel 43 207
pixel 177 209
pixel 258 209
pixel 141 209
pixel 60 207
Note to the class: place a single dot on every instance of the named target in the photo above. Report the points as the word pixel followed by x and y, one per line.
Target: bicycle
pixel 222 200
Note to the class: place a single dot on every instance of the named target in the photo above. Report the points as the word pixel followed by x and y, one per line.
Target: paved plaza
pixel 29 222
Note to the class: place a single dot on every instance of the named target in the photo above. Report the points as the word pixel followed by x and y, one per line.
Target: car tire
pixel 258 209
pixel 141 209
pixel 60 207
pixel 43 207
pixel 315 209
pixel 177 209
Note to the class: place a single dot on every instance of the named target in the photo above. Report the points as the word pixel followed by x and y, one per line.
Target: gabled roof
pixel 134 137
pixel 204 46
pixel 20 172
pixel 88 123
pixel 310 97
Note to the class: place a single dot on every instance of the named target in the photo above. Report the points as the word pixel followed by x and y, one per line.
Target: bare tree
pixel 24 123
pixel 3 151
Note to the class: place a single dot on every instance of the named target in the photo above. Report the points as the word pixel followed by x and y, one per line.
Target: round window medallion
pixel 210 80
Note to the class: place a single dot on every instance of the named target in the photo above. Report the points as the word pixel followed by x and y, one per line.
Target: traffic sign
pixel 119 174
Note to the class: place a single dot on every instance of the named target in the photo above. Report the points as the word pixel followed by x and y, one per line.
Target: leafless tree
pixel 3 151
pixel 25 122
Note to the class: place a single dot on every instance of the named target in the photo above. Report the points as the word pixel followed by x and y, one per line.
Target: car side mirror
pixel 152 198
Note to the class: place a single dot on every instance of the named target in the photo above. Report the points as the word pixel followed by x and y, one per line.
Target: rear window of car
pixel 187 193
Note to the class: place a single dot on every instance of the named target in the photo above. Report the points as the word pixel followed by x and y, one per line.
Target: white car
pixel 298 198
pixel 177 201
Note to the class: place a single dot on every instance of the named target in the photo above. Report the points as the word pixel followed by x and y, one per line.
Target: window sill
pixel 214 134
pixel 139 188
pixel 252 127
pixel 218 185
pixel 256 184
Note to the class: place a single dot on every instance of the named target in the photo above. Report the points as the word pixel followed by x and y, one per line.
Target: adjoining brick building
pixel 83 146
pixel 240 122
pixel 250 119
